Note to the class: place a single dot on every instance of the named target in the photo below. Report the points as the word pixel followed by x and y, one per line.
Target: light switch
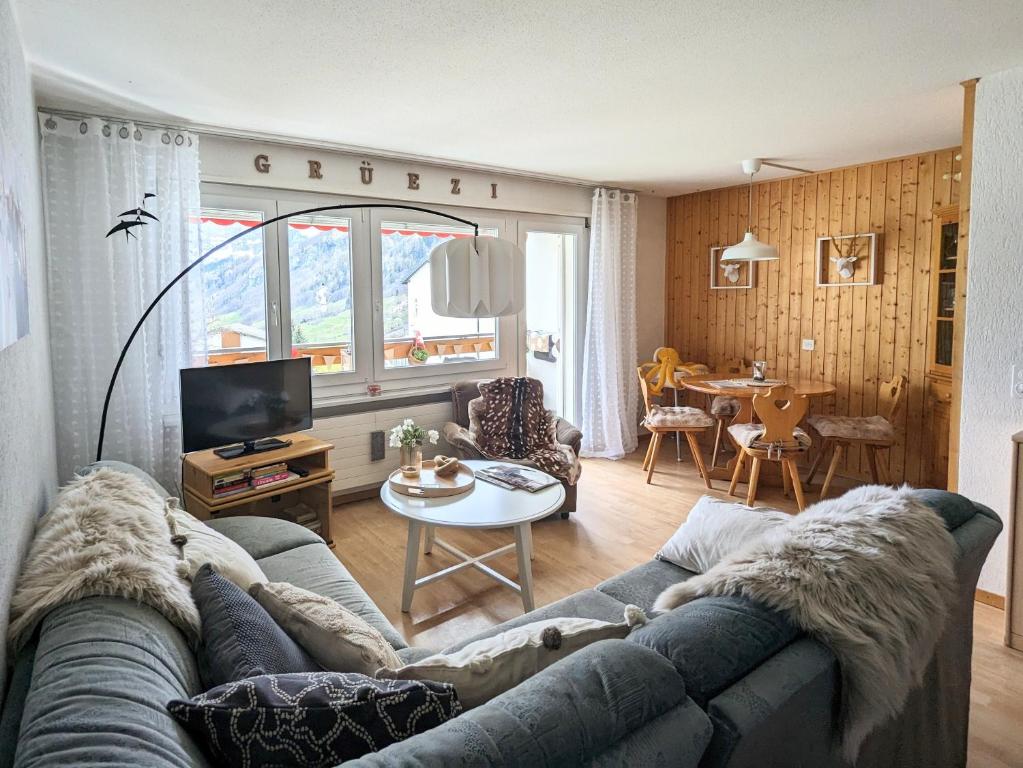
pixel 1017 382
pixel 808 345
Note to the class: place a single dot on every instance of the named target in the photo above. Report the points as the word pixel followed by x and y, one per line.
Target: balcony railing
pixel 335 358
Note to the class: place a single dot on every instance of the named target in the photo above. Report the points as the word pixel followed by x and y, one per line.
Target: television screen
pixel 242 403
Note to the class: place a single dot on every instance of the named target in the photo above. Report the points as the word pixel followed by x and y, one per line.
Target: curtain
pixel 93 170
pixel 610 389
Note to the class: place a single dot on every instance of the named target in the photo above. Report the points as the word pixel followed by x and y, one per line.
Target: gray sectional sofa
pixel 718 682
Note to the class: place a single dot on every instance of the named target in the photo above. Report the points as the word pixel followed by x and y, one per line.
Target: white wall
pixel 994 309
pixel 28 464
pixel 651 248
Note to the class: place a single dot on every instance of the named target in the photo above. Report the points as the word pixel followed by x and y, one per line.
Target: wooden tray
pixel 429 486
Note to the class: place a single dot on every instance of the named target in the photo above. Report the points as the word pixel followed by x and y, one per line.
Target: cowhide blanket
pixel 508 422
pixel 870 574
pixel 106 535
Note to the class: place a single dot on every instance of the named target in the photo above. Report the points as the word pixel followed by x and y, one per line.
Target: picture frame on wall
pixel 847 260
pixel 730 275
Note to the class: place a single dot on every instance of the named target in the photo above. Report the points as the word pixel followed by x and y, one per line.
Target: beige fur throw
pixel 869 574
pixel 106 535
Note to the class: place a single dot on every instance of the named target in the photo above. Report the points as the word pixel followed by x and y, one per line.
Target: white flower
pixel 434 436
pixel 408 423
pixel 395 441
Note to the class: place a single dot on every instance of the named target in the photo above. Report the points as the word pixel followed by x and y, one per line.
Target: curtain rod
pixel 330 146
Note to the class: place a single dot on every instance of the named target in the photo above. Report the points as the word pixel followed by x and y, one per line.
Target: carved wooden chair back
pixel 780 410
pixel 893 397
pixel 732 367
pixel 645 389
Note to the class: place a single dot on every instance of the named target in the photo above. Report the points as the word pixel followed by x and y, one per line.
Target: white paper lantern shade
pixel 487 280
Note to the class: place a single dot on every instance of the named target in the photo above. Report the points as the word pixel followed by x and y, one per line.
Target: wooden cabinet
pixel 1014 599
pixel 304 496
pixel 940 358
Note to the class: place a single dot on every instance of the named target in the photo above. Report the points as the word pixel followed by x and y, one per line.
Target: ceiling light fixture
pixel 751 249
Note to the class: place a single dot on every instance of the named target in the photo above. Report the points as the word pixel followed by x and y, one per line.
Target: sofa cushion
pixel 104 669
pixel 314 567
pixel 339 640
pixel 488 667
pixel 641 585
pixel 715 641
pixel 239 638
pixel 264 536
pixel 566 715
pixel 587 604
pixel 311 720
pixel 199 545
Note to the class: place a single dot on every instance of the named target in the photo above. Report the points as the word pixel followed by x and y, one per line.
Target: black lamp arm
pixel 214 249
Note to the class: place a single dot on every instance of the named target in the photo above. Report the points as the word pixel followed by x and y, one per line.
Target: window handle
pixel 275 314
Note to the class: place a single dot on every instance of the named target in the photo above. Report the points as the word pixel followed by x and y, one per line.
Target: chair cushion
pixel 317 719
pixel 869 429
pixel 747 436
pixel 669 416
pixel 239 638
pixel 725 405
pixel 714 641
pixel 314 567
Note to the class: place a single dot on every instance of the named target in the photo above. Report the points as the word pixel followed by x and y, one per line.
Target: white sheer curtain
pixel 93 170
pixel 610 389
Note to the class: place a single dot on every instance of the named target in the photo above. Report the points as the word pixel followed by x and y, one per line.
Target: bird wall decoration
pixel 126 225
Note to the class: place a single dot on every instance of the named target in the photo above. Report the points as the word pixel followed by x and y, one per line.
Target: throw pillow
pixel 200 544
pixel 336 638
pixel 715 529
pixel 238 637
pixel 311 720
pixel 483 669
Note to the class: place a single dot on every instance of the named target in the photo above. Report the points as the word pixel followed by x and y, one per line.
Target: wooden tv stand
pixel 201 468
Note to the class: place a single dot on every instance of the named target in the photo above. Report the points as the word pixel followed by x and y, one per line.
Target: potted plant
pixel 418 354
pixel 409 437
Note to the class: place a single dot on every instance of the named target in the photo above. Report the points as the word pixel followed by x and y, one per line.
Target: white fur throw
pixel 106 535
pixel 870 574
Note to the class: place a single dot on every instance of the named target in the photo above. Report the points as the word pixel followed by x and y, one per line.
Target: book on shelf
pixel 269 469
pixel 231 490
pixel 259 482
pixel 516 478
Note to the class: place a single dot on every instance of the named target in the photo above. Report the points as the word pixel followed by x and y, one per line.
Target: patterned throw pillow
pixel 311 720
pixel 239 638
pixel 339 640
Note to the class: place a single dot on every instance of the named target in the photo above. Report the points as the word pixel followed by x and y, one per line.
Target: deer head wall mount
pixel 854 257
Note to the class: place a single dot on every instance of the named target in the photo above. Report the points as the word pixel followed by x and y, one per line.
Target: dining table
pixel 743 390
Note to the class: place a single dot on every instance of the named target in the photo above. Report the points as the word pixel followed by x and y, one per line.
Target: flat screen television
pixel 241 405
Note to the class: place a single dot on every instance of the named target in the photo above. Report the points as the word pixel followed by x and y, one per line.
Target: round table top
pixel 808 387
pixel 485 506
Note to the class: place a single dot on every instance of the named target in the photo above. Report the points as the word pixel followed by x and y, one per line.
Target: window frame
pixel 367 287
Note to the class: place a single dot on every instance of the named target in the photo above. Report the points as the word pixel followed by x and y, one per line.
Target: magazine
pixel 513 478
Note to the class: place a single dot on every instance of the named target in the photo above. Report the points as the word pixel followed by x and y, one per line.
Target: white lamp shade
pixel 485 281
pixel 750 249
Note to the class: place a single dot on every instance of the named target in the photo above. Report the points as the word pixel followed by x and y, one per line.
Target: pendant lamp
pixel 750 249
pixel 477 277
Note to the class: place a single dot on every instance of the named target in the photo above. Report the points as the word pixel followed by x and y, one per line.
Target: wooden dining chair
pixel 724 407
pixel 777 438
pixel 661 420
pixel 874 433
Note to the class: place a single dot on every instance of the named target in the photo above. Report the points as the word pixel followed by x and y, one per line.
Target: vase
pixel 411 460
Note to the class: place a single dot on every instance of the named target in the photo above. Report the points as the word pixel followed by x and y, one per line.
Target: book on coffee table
pixel 516 478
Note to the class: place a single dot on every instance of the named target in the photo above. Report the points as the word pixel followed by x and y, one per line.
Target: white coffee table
pixel 485 506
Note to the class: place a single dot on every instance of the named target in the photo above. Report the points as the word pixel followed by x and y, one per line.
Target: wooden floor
pixel 620 523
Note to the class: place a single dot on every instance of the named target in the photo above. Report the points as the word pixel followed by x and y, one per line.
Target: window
pixel 234 288
pixel 320 276
pixel 349 289
pixel 412 334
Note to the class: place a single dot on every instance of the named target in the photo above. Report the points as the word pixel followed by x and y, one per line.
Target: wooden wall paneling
pixel 917 449
pixel 670 276
pixel 864 334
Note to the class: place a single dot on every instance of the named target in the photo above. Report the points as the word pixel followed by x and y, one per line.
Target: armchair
pixel 456 433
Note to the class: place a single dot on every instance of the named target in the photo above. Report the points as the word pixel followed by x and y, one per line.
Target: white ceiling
pixel 658 96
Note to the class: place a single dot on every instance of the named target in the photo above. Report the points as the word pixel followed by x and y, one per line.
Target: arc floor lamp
pixel 486 280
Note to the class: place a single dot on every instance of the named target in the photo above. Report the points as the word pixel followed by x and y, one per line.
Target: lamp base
pixel 251 446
